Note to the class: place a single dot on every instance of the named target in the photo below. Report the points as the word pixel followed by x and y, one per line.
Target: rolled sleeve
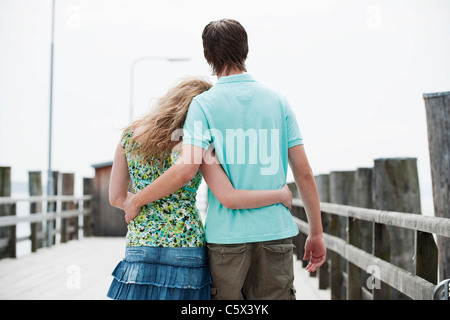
pixel 196 128
pixel 293 131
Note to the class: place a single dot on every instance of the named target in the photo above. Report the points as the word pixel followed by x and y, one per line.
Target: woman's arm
pixel 232 198
pixel 177 176
pixel 120 179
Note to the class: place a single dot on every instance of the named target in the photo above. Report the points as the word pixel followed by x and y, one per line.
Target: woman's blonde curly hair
pixel 154 139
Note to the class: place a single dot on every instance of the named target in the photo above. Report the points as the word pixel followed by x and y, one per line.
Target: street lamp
pixel 132 70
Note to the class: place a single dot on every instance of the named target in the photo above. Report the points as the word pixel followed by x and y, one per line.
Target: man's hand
pixel 316 251
pixel 131 211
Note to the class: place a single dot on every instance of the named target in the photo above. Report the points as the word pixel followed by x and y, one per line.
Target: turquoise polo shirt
pixel 251 128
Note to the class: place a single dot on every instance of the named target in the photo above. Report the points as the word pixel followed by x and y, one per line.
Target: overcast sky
pixel 354 72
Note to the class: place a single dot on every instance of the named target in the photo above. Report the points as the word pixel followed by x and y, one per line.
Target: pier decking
pixel 81 270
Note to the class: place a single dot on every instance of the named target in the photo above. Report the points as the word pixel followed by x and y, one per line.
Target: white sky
pixel 354 71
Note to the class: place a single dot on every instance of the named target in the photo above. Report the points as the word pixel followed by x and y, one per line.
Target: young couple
pixel 245 250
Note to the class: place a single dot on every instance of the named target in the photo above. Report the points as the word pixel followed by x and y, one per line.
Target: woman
pixel 165 245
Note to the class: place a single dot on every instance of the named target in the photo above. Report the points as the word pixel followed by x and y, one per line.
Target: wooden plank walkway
pixel 81 270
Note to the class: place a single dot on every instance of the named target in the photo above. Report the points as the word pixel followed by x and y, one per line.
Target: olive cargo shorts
pixel 252 271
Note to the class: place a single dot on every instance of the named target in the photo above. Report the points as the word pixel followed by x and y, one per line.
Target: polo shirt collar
pixel 243 77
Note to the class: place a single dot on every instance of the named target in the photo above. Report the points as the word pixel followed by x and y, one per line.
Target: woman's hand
pixel 131 211
pixel 286 197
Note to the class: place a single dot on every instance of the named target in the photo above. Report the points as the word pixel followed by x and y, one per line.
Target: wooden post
pixel 395 186
pixel 363 188
pixel 360 232
pixel 69 226
pixel 87 219
pixel 363 199
pixel 437 107
pixel 51 207
pixel 381 249
pixel 341 192
pixel 342 188
pixel 426 257
pixel 323 187
pixel 7 234
pixel 35 189
pixel 354 273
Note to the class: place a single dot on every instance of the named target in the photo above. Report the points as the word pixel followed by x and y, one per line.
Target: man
pixel 255 135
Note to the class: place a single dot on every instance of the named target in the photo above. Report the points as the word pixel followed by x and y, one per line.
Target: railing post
pixel 69 226
pixel 396 188
pixel 7 234
pixel 51 207
pixel 35 189
pixel 437 106
pixel 323 187
pixel 354 274
pixel 360 234
pixel 87 204
pixel 363 199
pixel 381 249
pixel 341 192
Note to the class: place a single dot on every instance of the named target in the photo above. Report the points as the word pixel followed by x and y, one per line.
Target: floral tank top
pixel 173 221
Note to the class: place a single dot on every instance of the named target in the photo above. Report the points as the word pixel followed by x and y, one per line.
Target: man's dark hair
pixel 225 45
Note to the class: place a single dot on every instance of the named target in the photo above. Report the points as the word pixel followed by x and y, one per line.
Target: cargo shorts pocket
pixel 228 270
pixel 279 258
pixel 219 254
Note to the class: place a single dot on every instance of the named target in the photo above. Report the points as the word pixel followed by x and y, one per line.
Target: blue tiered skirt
pixel 154 273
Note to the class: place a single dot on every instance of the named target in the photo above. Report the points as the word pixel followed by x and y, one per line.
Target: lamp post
pixel 132 71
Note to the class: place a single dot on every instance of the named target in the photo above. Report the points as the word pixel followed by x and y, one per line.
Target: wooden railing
pixel 58 217
pixel 354 273
pixel 70 219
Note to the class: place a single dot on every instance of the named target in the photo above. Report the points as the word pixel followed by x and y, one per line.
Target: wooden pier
pixel 76 270
pixel 81 270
